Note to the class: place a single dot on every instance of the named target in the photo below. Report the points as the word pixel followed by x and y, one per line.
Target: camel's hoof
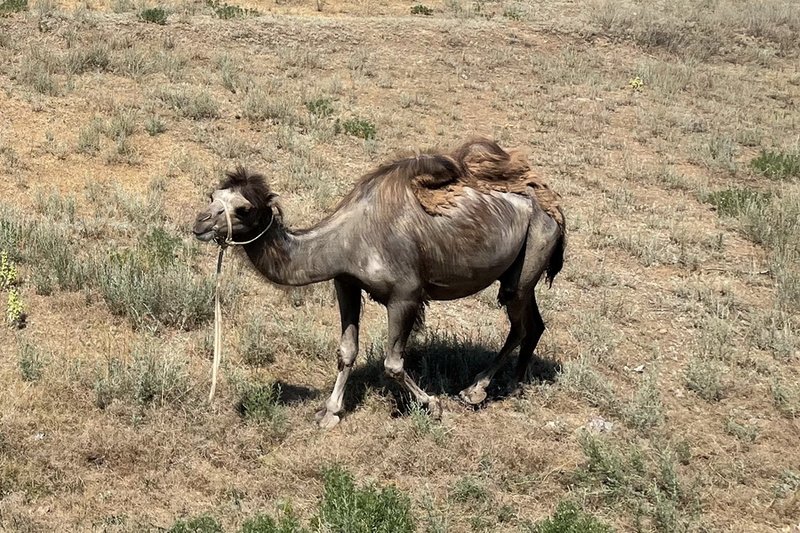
pixel 435 408
pixel 328 421
pixel 473 395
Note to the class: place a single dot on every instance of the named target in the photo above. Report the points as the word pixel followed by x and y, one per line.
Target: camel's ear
pixel 277 212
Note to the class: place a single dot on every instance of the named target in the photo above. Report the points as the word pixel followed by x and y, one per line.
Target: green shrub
pixel 261 404
pixel 420 9
pixel 513 12
pixel 786 397
pixel 154 125
pixel 468 490
pixel 154 283
pixel 31 361
pixel 226 11
pixel 261 523
pixel 155 15
pixel 89 138
pixel 255 346
pixel 9 7
pixel 734 202
pixel 367 509
pixel 193 105
pixel 569 518
pixel 777 165
pixel 321 107
pixel 93 58
pixel 258 106
pixel 359 128
pixel 153 376
pixel 56 206
pixel 45 246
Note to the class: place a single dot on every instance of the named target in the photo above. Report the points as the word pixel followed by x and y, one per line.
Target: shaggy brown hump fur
pixel 439 179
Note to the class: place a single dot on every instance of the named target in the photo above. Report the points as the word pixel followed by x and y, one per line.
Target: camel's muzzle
pixel 204 228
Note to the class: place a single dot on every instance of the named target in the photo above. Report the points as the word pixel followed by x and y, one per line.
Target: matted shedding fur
pixel 439 179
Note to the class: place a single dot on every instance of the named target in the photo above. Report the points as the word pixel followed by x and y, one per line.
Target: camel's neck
pixel 302 258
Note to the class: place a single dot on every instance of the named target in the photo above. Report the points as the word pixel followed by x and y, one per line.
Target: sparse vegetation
pixel 359 128
pixel 287 523
pixel 257 106
pixel 705 378
pixel 569 518
pixel 367 509
pixel 9 7
pixel 15 312
pixel 736 202
pixel 672 335
pixel 8 272
pixel 89 138
pixel 197 524
pixel 261 404
pixel 255 348
pixel 194 105
pixel 321 107
pixel 31 361
pixel 645 480
pixel 154 15
pixel 786 397
pixel 420 9
pixel 778 165
pixel 152 376
pixel 153 284
pixel 154 126
pixel 224 10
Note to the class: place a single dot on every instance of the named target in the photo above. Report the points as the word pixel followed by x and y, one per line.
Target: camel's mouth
pixel 204 228
pixel 205 236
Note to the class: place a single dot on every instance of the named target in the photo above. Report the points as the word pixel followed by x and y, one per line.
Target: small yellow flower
pixel 636 83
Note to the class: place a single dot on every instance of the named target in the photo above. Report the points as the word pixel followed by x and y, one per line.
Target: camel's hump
pixel 438 180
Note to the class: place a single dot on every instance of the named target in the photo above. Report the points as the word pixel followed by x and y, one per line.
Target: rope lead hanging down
pixel 217 327
pixel 217 307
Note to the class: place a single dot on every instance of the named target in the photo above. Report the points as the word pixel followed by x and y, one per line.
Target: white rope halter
pixel 217 308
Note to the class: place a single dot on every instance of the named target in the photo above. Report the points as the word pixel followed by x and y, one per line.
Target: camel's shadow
pixel 295 394
pixel 442 365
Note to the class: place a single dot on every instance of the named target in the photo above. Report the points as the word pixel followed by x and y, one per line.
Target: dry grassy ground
pixel 672 399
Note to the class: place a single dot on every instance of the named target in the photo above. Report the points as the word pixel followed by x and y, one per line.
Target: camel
pixel 435 226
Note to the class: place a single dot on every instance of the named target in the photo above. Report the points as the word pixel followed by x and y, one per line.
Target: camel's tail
pixel 556 261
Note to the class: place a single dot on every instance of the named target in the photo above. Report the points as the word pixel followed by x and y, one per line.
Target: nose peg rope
pixel 217 307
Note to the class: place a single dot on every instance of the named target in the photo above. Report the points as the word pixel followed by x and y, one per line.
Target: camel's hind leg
pixel 534 327
pixel 476 393
pixel 517 291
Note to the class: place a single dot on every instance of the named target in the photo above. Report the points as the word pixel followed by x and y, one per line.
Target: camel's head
pixel 249 204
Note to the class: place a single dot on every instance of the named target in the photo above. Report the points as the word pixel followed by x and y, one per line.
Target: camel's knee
pixel 347 354
pixel 393 367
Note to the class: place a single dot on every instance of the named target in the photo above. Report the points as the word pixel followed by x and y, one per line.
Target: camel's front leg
pixel 349 297
pixel 401 320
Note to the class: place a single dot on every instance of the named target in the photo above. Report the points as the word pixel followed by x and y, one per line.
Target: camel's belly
pixel 462 259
